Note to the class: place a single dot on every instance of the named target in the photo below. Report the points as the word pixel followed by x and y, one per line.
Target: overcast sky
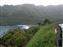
pixel 36 2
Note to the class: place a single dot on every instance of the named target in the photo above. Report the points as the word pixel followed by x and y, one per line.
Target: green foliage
pixel 45 37
pixel 33 30
pixel 47 21
pixel 15 37
pixel 18 37
pixel 38 36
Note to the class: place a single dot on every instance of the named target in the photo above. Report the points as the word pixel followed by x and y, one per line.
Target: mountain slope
pixel 45 37
pixel 29 14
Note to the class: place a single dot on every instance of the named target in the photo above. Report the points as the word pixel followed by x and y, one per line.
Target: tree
pixel 46 21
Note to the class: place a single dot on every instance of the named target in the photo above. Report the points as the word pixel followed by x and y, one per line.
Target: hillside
pixel 42 35
pixel 45 37
pixel 29 14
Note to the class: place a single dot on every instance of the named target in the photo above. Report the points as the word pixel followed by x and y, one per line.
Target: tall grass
pixel 45 37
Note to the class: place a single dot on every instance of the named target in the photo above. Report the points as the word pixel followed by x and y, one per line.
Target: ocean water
pixel 4 29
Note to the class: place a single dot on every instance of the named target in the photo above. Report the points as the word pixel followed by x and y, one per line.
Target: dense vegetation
pixel 18 37
pixel 29 14
pixel 45 37
pixel 42 35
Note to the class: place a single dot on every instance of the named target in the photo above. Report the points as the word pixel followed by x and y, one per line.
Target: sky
pixel 36 2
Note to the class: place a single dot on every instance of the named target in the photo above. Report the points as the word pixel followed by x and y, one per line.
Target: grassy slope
pixel 45 37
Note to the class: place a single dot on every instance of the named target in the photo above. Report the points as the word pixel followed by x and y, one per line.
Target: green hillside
pixel 45 37
pixel 29 14
pixel 40 36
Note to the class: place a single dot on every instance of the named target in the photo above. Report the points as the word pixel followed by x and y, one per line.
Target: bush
pixel 18 37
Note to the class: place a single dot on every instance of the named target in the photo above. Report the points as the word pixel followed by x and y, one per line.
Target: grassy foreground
pixel 45 37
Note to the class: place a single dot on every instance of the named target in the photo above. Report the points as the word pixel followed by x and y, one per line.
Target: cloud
pixel 36 2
